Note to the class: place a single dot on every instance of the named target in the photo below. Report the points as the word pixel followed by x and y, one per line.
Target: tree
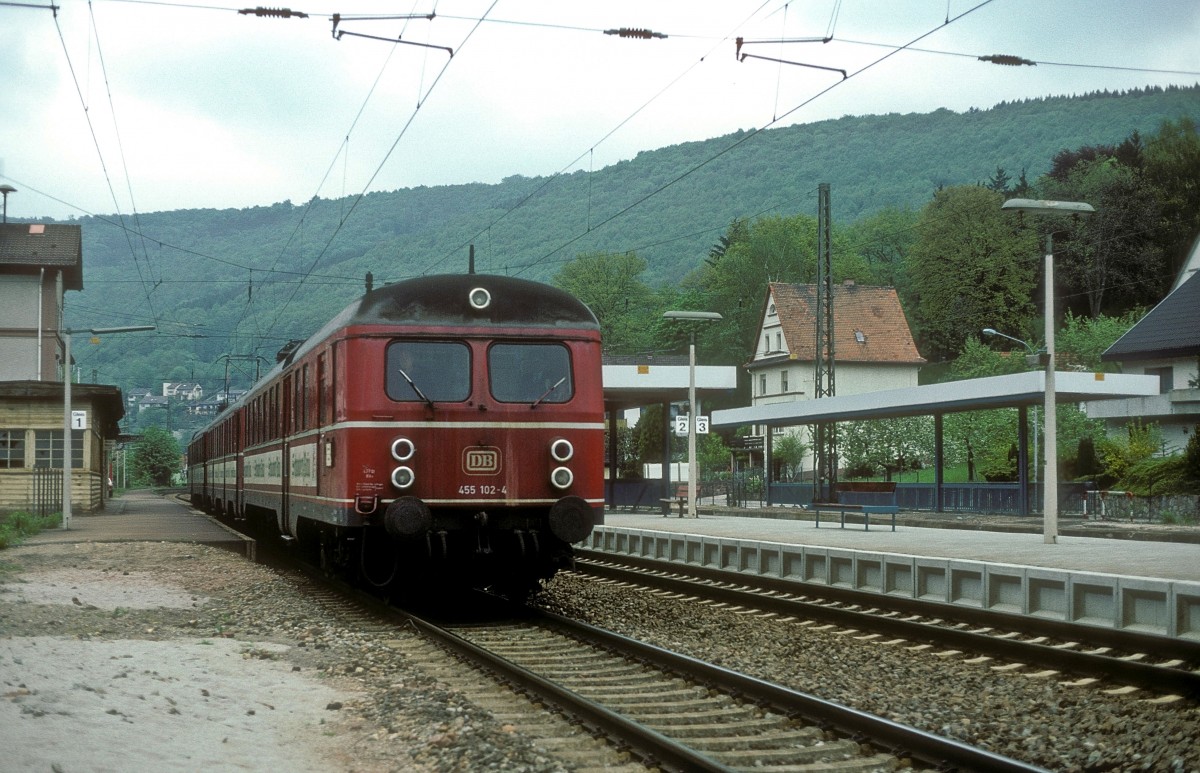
pixel 887 445
pixel 1111 260
pixel 788 452
pixel 1082 340
pixel 1172 166
pixel 972 267
pixel 611 286
pixel 884 240
pixel 155 458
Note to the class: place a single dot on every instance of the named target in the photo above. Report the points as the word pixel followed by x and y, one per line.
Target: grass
pixel 14 527
pixel 950 474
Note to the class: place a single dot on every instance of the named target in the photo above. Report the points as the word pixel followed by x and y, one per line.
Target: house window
pixel 766 343
pixel 12 448
pixel 779 342
pixel 771 310
pixel 48 448
pixel 783 385
pixel 762 384
pixel 860 336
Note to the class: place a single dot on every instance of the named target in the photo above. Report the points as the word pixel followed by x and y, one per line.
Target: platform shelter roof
pixel 951 397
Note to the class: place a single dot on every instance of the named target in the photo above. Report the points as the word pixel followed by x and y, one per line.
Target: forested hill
pixel 239 270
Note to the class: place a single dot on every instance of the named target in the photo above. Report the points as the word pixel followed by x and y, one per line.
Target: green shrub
pixel 15 527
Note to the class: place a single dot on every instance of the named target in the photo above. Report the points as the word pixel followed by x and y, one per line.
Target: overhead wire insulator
pixel 630 32
pixel 282 13
pixel 1008 59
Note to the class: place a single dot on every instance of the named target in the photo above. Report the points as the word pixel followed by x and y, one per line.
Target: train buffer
pixel 866 497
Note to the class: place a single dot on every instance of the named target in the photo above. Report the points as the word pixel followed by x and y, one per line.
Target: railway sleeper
pixel 800 736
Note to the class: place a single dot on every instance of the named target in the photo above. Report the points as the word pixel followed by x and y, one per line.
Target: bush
pixel 1156 477
pixel 15 527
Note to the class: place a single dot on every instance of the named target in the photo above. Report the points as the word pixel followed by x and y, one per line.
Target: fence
pixel 1000 498
pixel 46 496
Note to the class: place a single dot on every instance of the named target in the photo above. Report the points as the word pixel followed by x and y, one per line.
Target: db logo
pixel 481 461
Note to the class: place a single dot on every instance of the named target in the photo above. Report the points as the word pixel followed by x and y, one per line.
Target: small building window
pixel 779 342
pixel 762 384
pixel 771 310
pixel 12 448
pixel 860 336
pixel 48 448
pixel 766 343
pixel 783 381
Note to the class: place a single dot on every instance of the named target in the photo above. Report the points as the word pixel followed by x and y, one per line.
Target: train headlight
pixel 403 477
pixel 561 478
pixel 402 449
pixel 479 298
pixel 562 450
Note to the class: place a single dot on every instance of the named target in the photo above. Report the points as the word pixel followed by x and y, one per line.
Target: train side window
pixel 322 390
pixel 439 370
pixel 530 373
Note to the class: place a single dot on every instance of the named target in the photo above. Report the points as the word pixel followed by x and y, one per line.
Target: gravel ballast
pixel 1036 720
pixel 170 657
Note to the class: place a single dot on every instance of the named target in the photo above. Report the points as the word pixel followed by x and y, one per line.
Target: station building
pixel 39 262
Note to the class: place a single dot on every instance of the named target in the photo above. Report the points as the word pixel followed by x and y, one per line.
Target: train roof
pixel 444 300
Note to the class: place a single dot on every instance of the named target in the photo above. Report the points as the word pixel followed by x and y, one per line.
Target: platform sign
pixel 78 419
pixel 681 424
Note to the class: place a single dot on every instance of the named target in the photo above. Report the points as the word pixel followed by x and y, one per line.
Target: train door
pixel 286 425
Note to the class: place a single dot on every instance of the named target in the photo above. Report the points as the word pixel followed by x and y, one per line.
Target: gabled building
pixel 1164 343
pixel 184 390
pixel 873 345
pixel 39 262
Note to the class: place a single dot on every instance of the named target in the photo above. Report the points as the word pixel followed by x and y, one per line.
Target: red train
pixel 449 425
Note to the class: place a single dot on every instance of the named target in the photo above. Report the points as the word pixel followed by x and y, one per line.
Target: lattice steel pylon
pixel 825 434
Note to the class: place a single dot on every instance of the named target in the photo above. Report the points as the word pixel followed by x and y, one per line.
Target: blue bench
pixel 866 497
pixel 866 510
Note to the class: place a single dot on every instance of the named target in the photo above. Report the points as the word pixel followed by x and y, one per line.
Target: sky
pixel 123 106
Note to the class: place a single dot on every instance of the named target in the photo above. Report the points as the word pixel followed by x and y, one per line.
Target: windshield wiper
pixel 416 388
pixel 546 394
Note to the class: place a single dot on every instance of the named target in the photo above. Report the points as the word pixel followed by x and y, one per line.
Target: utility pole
pixel 825 436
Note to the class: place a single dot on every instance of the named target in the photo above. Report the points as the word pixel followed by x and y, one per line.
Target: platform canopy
pixel 663 380
pixel 975 394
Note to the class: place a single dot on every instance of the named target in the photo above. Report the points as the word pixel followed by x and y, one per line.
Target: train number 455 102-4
pixel 471 490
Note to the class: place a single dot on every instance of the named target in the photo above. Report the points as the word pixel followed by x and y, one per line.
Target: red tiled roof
pixel 873 312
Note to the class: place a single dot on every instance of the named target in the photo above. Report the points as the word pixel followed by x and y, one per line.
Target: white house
pixel 1164 343
pixel 873 345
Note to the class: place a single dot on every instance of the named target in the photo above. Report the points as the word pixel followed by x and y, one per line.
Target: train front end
pixel 478 454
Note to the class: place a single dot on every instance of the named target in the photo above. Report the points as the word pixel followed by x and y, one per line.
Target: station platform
pixel 144 516
pixel 952 537
pixel 1149 586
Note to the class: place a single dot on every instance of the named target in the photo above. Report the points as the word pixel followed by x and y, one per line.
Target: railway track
pixel 617 703
pixel 1084 654
pixel 674 712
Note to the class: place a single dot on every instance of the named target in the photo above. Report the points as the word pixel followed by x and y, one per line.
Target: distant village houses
pixel 185 390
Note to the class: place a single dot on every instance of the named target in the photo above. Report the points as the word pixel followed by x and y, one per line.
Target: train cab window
pixel 530 373
pixel 438 371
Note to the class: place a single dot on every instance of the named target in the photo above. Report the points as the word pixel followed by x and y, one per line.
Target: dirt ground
pixel 84 701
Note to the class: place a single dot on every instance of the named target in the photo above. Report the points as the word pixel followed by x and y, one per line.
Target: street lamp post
pixel 1050 505
pixel 67 333
pixel 692 316
pixel 4 191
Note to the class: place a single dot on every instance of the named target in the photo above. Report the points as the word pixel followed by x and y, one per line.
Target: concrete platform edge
pixel 1169 608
